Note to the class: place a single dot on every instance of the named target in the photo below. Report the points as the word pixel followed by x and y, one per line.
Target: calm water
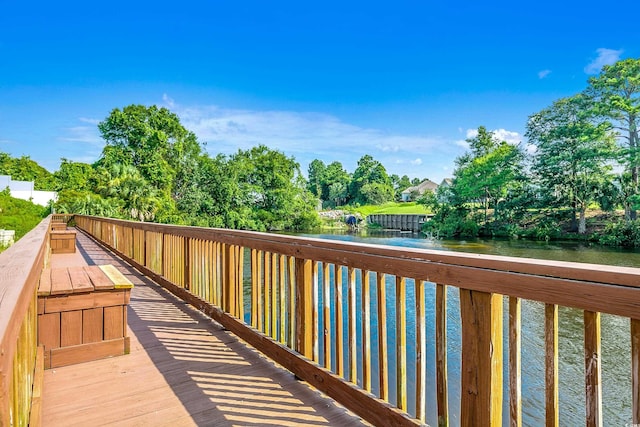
pixel 616 364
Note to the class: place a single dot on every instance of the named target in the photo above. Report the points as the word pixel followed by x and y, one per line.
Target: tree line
pixel 581 152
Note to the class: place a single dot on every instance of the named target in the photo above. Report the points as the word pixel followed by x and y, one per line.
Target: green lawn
pixel 391 208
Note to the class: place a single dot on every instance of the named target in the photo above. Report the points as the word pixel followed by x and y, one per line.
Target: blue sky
pixel 403 81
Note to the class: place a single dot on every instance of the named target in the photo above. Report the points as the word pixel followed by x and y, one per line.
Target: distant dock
pixel 401 222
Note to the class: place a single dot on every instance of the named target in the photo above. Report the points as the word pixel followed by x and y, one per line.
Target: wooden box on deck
pixel 82 314
pixel 63 241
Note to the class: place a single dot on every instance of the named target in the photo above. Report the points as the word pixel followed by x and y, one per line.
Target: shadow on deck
pixel 184 369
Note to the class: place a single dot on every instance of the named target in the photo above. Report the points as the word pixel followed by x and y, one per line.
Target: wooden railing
pixel 20 268
pixel 308 304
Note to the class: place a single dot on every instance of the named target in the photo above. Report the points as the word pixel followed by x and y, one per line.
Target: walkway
pixel 183 370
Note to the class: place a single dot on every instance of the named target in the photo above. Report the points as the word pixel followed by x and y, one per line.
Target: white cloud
pixel 310 135
pixel 462 143
pixel 511 137
pixel 83 134
pixel 544 73
pixel 605 57
pixel 168 101
pixel 88 120
pixel 302 134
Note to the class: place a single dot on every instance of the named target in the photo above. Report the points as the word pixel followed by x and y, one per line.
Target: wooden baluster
pixel 551 364
pixel 304 306
pixel 366 330
pixel 481 400
pixel 292 302
pixel 592 375
pixel 259 288
pixel 441 356
pixel 314 313
pixel 421 352
pixel 239 282
pixel 326 305
pixel 351 325
pixel 515 351
pixel 187 263
pixel 254 288
pixel 274 296
pixel 230 280
pixel 401 343
pixel 283 307
pixel 383 369
pixel 267 293
pixel 209 269
pixel 635 370
pixel 339 323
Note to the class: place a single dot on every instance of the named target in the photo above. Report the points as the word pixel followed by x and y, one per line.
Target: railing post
pixel 304 307
pixel 481 400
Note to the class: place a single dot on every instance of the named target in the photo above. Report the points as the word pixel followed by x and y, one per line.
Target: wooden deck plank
pixel 80 282
pixel 60 281
pixel 99 280
pixel 44 287
pixel 183 370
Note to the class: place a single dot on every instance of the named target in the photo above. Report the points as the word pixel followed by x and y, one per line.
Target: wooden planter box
pixel 63 241
pixel 82 314
pixel 57 226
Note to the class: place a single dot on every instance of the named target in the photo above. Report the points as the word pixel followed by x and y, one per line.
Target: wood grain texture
pixel 339 322
pixel 515 353
pixel 71 355
pixel 114 326
pixel 326 303
pixel 635 370
pixel 366 330
pixel 383 356
pixel 70 328
pixel 551 365
pixel 92 327
pixel 481 376
pixel 351 327
pixel 592 369
pixel 442 394
pixel 401 343
pixel 421 351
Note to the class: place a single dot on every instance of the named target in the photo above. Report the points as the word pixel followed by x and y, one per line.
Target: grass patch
pixel 389 208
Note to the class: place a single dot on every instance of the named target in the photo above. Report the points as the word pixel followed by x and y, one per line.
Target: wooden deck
pixel 184 369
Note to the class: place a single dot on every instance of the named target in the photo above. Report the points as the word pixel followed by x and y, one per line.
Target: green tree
pixel 153 141
pixel 25 169
pixel 86 203
pixel 400 184
pixel 616 95
pixel 316 172
pixel 573 157
pixel 273 188
pixel 370 171
pixel 486 173
pixel 73 176
pixel 137 199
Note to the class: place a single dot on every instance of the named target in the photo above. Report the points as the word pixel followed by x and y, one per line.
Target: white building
pixel 24 190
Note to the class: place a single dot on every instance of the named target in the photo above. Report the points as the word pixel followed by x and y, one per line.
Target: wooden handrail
pixel 20 268
pixel 293 281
